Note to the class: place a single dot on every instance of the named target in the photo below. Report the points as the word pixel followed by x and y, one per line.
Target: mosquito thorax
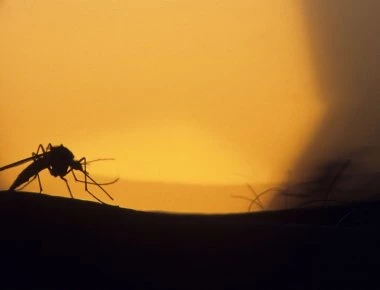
pixel 60 159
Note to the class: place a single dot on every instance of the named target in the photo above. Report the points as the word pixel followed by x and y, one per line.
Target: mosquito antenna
pixel 99 159
pixel 97 183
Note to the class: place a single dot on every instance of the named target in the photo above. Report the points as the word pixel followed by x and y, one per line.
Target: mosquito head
pixel 76 165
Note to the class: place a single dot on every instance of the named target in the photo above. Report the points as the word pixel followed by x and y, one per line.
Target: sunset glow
pixel 193 99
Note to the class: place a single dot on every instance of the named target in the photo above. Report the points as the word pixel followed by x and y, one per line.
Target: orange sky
pixel 192 98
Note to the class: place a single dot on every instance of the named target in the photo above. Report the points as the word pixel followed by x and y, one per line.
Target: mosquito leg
pixel 85 186
pixel 39 182
pixel 84 172
pixel 40 148
pixel 98 185
pixel 67 184
pixel 87 176
pixel 94 196
pixel 29 181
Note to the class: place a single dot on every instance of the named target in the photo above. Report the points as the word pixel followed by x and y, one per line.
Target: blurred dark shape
pixel 336 181
pixel 345 44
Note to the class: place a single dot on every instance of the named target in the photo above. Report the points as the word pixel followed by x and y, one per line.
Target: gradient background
pixel 193 99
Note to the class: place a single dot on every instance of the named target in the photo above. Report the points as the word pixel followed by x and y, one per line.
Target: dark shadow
pixel 345 43
pixel 51 241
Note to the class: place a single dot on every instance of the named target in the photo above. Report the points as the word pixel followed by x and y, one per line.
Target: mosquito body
pixel 59 161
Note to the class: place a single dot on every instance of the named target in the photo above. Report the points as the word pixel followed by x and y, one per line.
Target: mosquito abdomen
pixel 30 171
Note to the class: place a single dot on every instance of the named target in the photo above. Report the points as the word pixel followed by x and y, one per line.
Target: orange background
pixel 193 99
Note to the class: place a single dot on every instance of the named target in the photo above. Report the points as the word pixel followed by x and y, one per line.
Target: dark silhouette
pixel 345 44
pixel 59 161
pixel 256 200
pixel 338 182
pixel 49 242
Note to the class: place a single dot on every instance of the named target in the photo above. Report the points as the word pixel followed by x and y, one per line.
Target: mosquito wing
pixel 20 162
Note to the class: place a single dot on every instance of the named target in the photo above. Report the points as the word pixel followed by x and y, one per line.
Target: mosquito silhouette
pixel 59 161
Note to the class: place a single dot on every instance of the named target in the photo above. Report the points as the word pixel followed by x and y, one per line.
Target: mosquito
pixel 59 161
